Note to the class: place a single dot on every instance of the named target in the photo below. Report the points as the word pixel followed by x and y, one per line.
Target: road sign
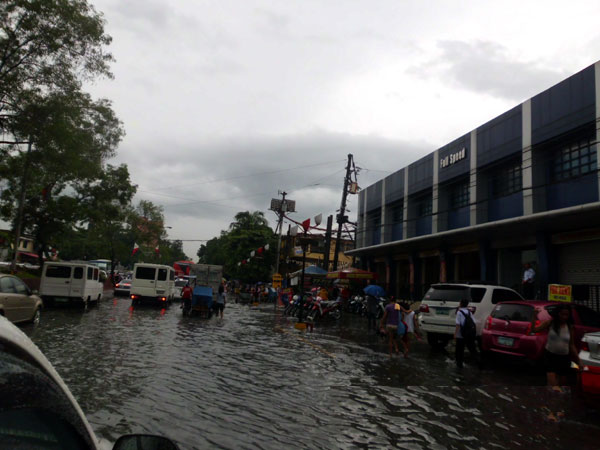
pixel 277 279
pixel 559 293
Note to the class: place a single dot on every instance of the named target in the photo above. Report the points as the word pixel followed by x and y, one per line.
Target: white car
pixel 437 314
pixel 37 410
pixel 590 363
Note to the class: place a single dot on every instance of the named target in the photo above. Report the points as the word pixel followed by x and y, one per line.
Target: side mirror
pixel 144 442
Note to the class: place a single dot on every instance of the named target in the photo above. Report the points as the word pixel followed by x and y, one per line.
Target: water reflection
pixel 252 381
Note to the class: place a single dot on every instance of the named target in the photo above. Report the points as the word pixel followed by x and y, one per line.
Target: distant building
pixel 315 253
pixel 26 249
pixel 521 188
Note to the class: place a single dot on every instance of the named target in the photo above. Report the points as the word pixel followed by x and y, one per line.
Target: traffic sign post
pixel 277 280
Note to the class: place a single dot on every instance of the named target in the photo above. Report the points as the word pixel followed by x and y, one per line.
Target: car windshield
pixel 513 312
pixel 180 283
pixel 449 293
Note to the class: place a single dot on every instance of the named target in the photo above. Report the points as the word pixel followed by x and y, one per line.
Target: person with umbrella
pixel 373 292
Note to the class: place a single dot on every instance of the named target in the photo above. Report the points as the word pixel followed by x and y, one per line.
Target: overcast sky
pixel 225 103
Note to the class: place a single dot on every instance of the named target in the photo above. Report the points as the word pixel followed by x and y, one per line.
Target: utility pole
pixel 341 218
pixel 328 243
pixel 279 207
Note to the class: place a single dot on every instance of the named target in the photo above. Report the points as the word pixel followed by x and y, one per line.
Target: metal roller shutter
pixel 579 263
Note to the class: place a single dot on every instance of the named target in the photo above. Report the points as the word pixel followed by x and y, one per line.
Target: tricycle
pixel 200 304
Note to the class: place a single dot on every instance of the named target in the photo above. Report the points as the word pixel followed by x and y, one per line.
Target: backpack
pixel 468 329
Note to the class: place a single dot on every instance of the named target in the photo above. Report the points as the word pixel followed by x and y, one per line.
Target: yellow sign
pixel 277 279
pixel 560 293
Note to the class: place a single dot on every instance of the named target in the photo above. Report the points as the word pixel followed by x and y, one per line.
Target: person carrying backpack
pixel 465 334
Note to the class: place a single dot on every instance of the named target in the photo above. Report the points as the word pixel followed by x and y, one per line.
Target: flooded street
pixel 253 381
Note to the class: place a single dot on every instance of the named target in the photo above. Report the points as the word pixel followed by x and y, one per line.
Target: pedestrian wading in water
pixel 390 321
pixel 465 334
pixel 220 305
pixel 560 347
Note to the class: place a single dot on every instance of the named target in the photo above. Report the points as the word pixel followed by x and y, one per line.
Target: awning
pixel 311 271
pixel 352 273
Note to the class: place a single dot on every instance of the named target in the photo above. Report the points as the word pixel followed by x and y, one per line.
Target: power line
pixel 250 175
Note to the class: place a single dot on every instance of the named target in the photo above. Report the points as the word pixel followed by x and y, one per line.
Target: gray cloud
pixel 207 183
pixel 486 67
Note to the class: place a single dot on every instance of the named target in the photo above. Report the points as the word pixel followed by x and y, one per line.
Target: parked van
pixel 70 282
pixel 152 283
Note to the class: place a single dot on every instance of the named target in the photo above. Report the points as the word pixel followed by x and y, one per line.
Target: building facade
pixel 521 188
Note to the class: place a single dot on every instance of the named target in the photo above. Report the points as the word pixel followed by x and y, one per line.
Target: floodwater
pixel 252 381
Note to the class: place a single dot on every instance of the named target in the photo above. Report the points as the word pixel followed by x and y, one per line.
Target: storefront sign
pixel 559 293
pixel 277 279
pixel 453 158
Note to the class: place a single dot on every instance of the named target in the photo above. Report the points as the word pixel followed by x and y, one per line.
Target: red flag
pixel 306 224
pixel 136 248
pixel 157 250
pixel 260 250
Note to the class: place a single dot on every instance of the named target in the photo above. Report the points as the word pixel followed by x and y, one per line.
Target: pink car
pixel 508 328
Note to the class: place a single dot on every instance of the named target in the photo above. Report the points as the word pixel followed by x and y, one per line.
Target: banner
pixel 560 293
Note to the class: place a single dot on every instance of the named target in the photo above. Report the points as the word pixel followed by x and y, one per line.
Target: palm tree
pixel 247 220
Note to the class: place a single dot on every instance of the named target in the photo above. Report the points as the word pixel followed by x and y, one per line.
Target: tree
pixel 249 232
pixel 47 49
pixel 47 46
pixel 106 204
pixel 70 136
pixel 248 220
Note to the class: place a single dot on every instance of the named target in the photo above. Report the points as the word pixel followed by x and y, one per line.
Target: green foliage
pixel 48 46
pixel 72 137
pixel 247 233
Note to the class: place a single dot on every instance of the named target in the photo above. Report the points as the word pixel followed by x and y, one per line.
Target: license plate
pixel 442 312
pixel 507 342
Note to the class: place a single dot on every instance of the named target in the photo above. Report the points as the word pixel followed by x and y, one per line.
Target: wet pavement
pixel 252 381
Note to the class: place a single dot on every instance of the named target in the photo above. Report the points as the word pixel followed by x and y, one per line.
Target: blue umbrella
pixel 374 290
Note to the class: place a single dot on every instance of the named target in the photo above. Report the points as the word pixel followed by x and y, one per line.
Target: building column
pixel 473 180
pixel 388 274
pixel 443 266
pixel 415 278
pixel 405 203
pixel 597 73
pixel 527 159
pixel 485 261
pixel 383 224
pixel 435 193
pixel 547 265
pixel 392 276
pixel 365 225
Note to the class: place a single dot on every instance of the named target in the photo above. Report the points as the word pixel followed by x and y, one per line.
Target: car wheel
pixel 36 317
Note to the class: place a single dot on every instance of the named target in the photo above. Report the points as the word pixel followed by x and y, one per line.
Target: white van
pixel 152 282
pixel 71 282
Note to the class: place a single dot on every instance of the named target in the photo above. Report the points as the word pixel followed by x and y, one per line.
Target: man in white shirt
pixel 461 341
pixel 528 282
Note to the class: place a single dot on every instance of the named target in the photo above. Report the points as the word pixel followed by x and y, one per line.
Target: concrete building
pixel 520 188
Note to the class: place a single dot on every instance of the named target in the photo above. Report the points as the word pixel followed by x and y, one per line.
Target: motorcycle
pixel 323 310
